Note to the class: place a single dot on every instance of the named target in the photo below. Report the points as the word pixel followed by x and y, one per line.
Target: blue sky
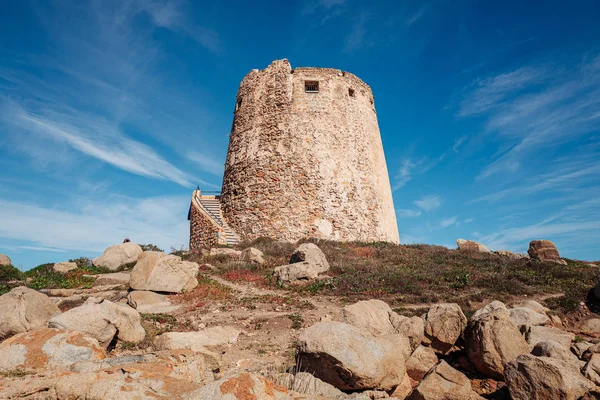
pixel 111 112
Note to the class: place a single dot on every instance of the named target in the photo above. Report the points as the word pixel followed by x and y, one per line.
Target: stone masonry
pixel 306 159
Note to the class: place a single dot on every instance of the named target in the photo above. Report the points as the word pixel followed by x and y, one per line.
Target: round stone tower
pixel 305 159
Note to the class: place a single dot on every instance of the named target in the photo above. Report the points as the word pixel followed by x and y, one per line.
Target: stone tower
pixel 305 159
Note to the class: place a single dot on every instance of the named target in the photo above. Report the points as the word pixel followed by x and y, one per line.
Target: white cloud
pixel 407 213
pixel 446 222
pixel 404 174
pixel 429 202
pixel 94 226
pixel 207 163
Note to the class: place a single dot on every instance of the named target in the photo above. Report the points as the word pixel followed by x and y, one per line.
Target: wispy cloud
pixel 207 162
pixel 404 174
pixel 446 222
pixel 408 213
pixel 412 18
pixel 429 202
pixel 357 37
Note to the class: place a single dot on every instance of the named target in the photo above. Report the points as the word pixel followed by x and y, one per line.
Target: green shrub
pixel 151 247
pixel 10 273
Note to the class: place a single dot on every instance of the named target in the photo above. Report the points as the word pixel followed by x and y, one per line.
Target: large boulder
pixel 23 309
pixel 544 250
pixel 118 255
pixel 492 339
pixel 312 254
pixel 372 315
pixel 413 328
pixel 252 256
pixel 216 339
pixel 350 358
pixel 510 255
pixel 469 245
pixel 47 348
pixel 536 334
pixel 591 327
pixel 531 304
pixel 541 378
pixel 114 279
pixel 296 272
pixel 420 362
pixel 442 383
pixel 526 316
pixel 444 324
pixel 591 370
pixel 149 302
pixel 309 385
pixel 307 262
pixel 244 386
pixel 159 272
pixel 102 319
pixel 5 260
pixel 555 350
pixel 64 266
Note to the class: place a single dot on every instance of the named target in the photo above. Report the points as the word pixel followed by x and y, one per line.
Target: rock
pixel 224 251
pixel 149 302
pixel 244 386
pixel 309 385
pixel 591 327
pixel 442 383
pixel 536 334
pixel 555 350
pixel 159 272
pixel 216 338
pixel 24 309
pixel 541 378
pixel 591 370
pixel 526 316
pixel 312 254
pixel 372 315
pixel 118 255
pixel 533 305
pixel 46 348
pixel 296 272
pixel 492 339
pixel 420 362
pixel 544 250
pixel 444 324
pixel 413 328
pixel 5 260
pixel 350 358
pixel 102 319
pixel 510 255
pixel 469 245
pixel 403 389
pixel 252 256
pixel 64 266
pixel 590 351
pixel 116 278
pixel 579 348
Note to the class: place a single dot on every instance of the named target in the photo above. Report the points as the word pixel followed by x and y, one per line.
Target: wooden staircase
pixel 212 206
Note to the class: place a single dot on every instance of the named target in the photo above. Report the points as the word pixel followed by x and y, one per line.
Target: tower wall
pixel 307 164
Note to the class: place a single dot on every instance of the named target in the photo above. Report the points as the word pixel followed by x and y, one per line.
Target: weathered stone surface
pixel 5 260
pixel 442 383
pixel 312 254
pixel 541 378
pixel 244 386
pixel 224 251
pixel 591 327
pixel 372 315
pixel 510 255
pixel 526 316
pixel 531 304
pixel 47 348
pixel 118 255
pixel 413 328
pixel 149 302
pixel 252 256
pixel 544 250
pixel 536 334
pixel 309 385
pixel 469 245
pixel 555 350
pixel 591 370
pixel 159 272
pixel 420 362
pixel 492 339
pixel 64 266
pixel 444 324
pixel 102 319
pixel 296 272
pixel 579 348
pixel 590 351
pixel 216 338
pixel 403 389
pixel 350 358
pixel 23 309
pixel 116 278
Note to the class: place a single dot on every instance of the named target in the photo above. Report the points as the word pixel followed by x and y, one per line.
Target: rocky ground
pixel 318 320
